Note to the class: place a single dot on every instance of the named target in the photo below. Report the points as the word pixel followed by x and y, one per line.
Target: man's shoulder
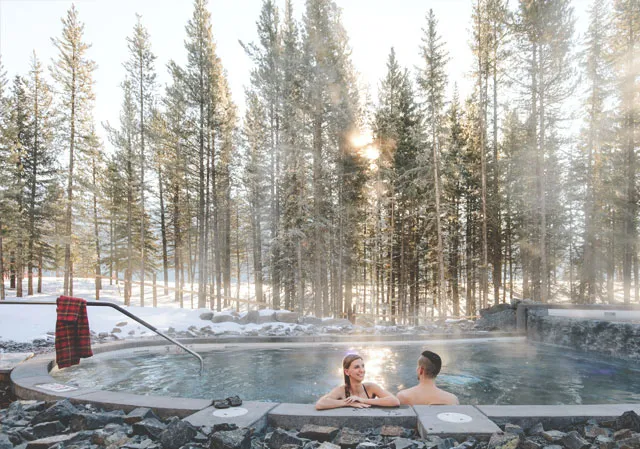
pixel 404 396
pixel 408 390
pixel 448 398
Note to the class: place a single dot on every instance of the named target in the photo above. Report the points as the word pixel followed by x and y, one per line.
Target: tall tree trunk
pixel 217 253
pixel 611 264
pixel 202 283
pixel 238 264
pixel 68 280
pixel 630 175
pixel 2 293
pixel 471 306
pixel 12 269
pixel 129 271
pixel 497 206
pixel 257 253
pixel 275 208
pixel 455 248
pixel 163 233
pixel 210 191
pixel 96 232
pixel 544 266
pixel 112 243
pixel 226 275
pixel 318 243
pixel 534 262
pixel 177 239
pixel 440 248
pixel 143 245
pixel 32 199
pixel 39 290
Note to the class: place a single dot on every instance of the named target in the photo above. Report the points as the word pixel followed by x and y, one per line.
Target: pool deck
pixel 31 380
pixel 9 360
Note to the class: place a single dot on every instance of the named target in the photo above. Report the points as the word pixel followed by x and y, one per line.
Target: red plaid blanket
pixel 73 340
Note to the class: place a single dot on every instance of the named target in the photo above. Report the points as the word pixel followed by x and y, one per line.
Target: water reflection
pixel 478 373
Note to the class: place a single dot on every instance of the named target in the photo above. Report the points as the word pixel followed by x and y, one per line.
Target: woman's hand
pixel 351 399
pixel 355 402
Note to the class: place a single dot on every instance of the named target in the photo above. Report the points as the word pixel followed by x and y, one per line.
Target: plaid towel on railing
pixel 73 340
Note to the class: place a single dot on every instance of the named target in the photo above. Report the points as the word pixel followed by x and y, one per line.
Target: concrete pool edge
pixel 32 380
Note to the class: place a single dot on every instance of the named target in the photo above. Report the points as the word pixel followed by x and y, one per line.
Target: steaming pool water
pixel 508 372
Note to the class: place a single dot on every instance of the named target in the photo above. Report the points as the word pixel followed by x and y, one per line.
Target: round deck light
pixel 454 417
pixel 230 412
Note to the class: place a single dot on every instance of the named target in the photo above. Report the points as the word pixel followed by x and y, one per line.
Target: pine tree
pixel 545 30
pixel 491 37
pixel 39 164
pixel 73 72
pixel 266 79
pixel 178 131
pixel 626 54
pixel 471 186
pixel 481 48
pixel 294 178
pixel 227 132
pixel 398 131
pixel 96 161
pixel 256 137
pixel 432 81
pixel 126 161
pixel 4 108
pixel 517 165
pixel 317 66
pixel 141 73
pixel 200 78
pixel 594 137
pixel 19 139
pixel 453 192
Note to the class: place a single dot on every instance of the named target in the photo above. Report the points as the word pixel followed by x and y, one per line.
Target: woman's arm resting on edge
pixel 335 399
pixel 384 398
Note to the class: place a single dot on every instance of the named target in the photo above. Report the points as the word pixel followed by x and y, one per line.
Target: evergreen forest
pixel 314 197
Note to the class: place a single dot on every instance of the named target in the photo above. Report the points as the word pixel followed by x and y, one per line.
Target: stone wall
pixel 501 317
pixel 609 338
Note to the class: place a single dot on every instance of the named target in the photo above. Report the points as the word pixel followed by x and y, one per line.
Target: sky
pixel 373 27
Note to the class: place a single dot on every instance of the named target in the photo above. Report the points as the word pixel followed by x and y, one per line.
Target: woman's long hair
pixel 346 363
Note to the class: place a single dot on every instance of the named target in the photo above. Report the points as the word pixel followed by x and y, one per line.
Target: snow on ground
pixel 22 323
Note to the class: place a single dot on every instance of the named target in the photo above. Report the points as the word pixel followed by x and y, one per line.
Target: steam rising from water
pixel 491 372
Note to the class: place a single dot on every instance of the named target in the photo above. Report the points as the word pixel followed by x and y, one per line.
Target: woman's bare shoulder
pixel 338 392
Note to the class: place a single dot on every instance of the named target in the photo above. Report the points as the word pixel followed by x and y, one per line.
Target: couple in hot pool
pixel 357 393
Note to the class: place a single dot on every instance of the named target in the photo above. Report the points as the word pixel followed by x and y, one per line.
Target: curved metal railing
pixel 124 312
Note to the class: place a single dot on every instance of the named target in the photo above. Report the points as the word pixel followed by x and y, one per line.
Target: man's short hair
pixel 431 363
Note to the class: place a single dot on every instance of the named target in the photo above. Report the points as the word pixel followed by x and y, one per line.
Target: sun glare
pixel 371 152
pixel 360 140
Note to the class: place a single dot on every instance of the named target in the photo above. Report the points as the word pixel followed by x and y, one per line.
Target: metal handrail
pixel 124 312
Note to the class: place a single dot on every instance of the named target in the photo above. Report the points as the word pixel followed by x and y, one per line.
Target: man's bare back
pixel 426 395
pixel 426 392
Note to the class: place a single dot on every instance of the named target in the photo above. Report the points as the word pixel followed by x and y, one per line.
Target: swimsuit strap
pixel 365 391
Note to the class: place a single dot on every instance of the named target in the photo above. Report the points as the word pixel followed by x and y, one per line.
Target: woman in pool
pixel 356 393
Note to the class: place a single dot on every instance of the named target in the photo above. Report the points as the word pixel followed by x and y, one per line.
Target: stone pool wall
pixel 617 339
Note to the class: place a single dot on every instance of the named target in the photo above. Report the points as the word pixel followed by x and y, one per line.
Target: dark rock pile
pixel 62 425
pixel 500 317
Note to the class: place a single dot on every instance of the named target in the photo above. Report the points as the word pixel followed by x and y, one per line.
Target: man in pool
pixel 426 392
